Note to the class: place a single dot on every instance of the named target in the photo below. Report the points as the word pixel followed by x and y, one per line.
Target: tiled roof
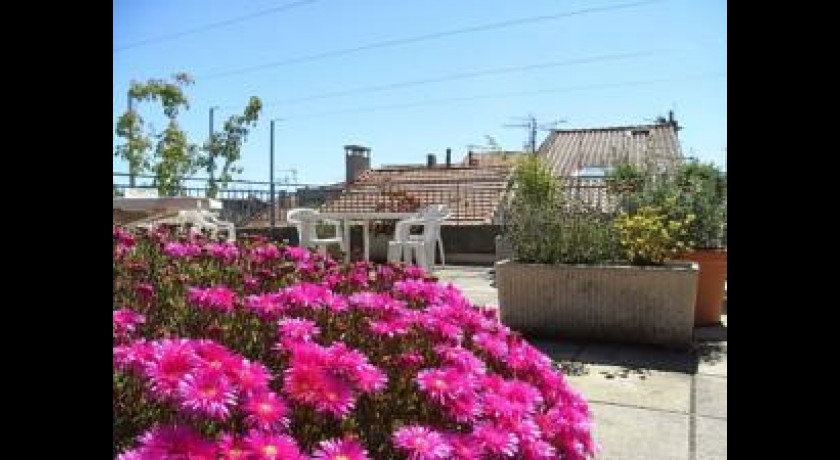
pixel 472 194
pixel 487 159
pixel 566 151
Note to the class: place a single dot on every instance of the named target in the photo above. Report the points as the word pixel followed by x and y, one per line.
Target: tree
pixel 227 146
pixel 175 158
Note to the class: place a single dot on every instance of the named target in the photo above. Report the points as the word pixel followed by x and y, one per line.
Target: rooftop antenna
pixel 530 122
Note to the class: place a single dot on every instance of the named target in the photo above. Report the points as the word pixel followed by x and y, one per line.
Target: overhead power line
pixel 215 25
pixel 422 38
pixel 459 76
pixel 507 94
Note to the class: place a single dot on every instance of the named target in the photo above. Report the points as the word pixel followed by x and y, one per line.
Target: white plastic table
pixel 364 219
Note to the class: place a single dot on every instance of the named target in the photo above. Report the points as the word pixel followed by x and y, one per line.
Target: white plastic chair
pixel 210 220
pixel 306 220
pixel 421 248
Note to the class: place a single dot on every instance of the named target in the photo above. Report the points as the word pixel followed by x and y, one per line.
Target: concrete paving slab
pixel 710 394
pixel 627 433
pixel 668 391
pixel 712 359
pixel 640 356
pixel 710 436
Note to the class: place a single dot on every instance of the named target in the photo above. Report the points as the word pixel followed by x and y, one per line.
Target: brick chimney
pixel 431 160
pixel 448 158
pixel 356 160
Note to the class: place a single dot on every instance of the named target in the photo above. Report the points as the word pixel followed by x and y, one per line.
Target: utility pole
pixel 273 211
pixel 212 109
pixel 211 150
pixel 130 137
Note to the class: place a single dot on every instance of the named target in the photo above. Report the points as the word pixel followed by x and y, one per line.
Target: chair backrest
pixel 304 219
pixel 430 217
pixel 437 212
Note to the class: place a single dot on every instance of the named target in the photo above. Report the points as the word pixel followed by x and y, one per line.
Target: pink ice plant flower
pixel 443 385
pixel 264 253
pixel 165 442
pixel 296 253
pixel 218 298
pixel 172 361
pixel 292 330
pixel 178 250
pixel 268 306
pixel 223 251
pixel 269 446
pixel 346 448
pixel 422 443
pixel 250 376
pixel 207 392
pixel 495 440
pixel 126 321
pixel 229 447
pixel 267 411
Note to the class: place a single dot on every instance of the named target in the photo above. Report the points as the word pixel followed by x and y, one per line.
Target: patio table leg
pixel 366 228
pixel 346 228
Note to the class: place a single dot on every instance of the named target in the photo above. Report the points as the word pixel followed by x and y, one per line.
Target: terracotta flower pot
pixel 710 285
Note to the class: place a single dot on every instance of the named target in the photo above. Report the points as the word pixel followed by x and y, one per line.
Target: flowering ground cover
pixel 264 352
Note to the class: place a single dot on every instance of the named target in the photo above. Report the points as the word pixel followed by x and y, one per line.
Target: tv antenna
pixel 530 122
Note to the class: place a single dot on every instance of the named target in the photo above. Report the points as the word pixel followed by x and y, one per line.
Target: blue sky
pixel 618 66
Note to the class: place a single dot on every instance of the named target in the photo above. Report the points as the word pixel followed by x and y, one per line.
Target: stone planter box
pixel 653 305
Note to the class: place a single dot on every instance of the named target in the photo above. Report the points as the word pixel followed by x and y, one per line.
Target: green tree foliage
pixel 226 146
pixel 174 157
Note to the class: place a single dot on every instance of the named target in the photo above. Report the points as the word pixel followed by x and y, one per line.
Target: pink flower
pixel 213 298
pixel 409 359
pixel 495 441
pixel 422 443
pixel 375 302
pixel 178 250
pixel 298 330
pixel 207 392
pixel 174 442
pixel 267 306
pixel 215 356
pixel 144 291
pixel 461 358
pixel 492 344
pixel 296 253
pixel 463 447
pixel 390 328
pixel 250 376
pixel 266 446
pixel 172 360
pixel 317 388
pixel 444 384
pixel 231 448
pixel 223 251
pixel 537 449
pixel 340 449
pixel 125 322
pixel 267 411
pixel 251 283
pixel 264 253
